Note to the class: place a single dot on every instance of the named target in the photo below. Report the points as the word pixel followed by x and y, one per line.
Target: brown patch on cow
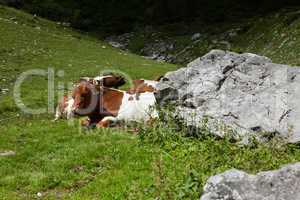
pixel 108 102
pixel 146 88
pixel 111 100
pixel 139 86
pixel 84 90
pixel 137 83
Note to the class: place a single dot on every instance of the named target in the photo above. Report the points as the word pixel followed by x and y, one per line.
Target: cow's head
pixel 85 97
pixel 110 81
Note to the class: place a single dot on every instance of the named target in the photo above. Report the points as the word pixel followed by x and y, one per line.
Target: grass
pixel 62 161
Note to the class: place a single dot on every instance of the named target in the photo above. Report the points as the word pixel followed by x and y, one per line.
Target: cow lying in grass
pixel 105 106
pixel 64 108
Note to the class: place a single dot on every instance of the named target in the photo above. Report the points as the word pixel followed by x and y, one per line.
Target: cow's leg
pixel 85 122
pixel 106 122
pixel 58 114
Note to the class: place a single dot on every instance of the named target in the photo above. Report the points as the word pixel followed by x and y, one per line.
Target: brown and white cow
pixel 105 105
pixel 65 104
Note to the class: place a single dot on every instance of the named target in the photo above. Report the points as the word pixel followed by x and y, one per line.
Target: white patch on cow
pixel 68 110
pixel 58 114
pixel 140 110
pixel 109 118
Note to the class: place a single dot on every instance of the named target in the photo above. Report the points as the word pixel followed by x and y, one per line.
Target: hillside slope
pixel 40 159
pixel 275 35
pixel 29 42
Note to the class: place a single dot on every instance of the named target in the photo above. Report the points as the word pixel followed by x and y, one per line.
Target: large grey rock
pixel 283 184
pixel 244 94
pixel 120 41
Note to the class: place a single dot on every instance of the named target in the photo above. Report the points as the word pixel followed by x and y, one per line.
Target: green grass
pixel 63 161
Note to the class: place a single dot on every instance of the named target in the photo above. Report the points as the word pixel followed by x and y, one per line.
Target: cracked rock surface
pixel 283 184
pixel 245 94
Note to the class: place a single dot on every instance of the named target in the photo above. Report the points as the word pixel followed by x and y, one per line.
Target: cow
pixel 105 106
pixel 65 104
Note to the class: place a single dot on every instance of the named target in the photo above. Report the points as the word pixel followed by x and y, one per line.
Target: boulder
pixel 196 36
pixel 283 184
pixel 245 95
pixel 120 41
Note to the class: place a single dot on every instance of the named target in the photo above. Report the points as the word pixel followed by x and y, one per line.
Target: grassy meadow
pixel 62 161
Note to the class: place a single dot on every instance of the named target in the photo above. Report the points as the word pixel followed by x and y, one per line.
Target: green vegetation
pixel 117 16
pixel 58 160
pixel 275 35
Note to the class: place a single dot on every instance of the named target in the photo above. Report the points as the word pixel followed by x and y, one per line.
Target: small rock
pixel 283 184
pixel 7 153
pixel 39 194
pixel 4 90
pixel 66 24
pixel 196 36
pixel 115 44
